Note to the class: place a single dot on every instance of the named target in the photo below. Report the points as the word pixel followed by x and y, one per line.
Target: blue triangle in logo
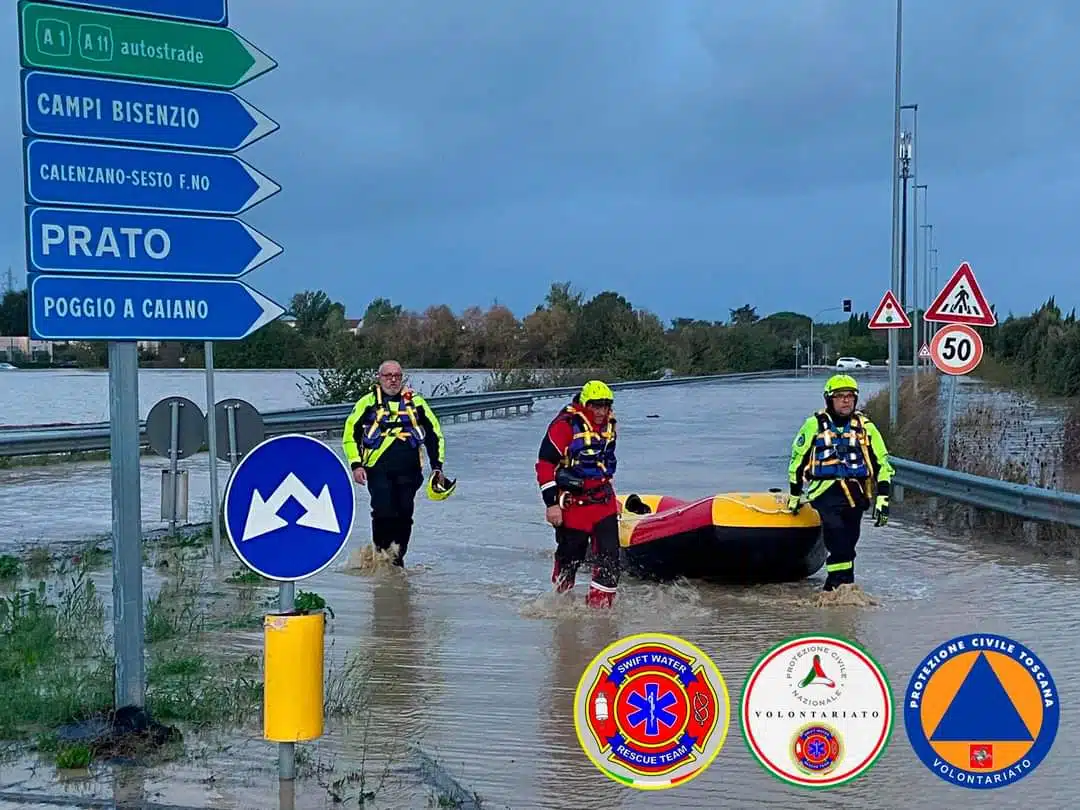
pixel 981 711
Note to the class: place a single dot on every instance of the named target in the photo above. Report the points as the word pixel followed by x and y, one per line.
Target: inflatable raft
pixel 733 537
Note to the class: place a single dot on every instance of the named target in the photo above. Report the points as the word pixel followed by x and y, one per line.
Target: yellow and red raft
pixel 734 537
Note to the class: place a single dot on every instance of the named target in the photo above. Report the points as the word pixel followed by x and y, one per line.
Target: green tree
pixel 15 313
pixel 744 315
pixel 316 315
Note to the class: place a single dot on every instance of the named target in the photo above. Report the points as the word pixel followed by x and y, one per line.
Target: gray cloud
pixel 737 147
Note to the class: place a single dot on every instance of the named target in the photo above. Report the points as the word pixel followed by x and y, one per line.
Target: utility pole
pixel 915 319
pixel 894 339
pixel 905 160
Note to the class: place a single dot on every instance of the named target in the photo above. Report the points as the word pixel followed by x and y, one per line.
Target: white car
pixel 8 367
pixel 851 362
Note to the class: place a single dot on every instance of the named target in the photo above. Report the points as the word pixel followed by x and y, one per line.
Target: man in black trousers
pixel 384 438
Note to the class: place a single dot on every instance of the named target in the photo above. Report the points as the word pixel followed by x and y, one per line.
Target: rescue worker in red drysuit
pixel 574 468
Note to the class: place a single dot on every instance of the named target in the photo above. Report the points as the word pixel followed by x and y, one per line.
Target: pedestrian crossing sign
pixel 961 300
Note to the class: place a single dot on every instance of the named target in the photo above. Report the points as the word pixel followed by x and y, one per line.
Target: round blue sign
pixel 289 507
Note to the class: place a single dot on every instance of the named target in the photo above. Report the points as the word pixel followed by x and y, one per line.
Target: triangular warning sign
pixel 889 314
pixel 961 301
pixel 924 351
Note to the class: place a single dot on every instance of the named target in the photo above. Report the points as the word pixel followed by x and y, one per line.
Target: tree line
pixel 604 333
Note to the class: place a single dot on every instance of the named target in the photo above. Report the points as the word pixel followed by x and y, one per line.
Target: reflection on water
pixel 468 657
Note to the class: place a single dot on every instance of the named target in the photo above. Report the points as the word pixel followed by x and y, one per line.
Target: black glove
pixel 570 483
pixel 881 510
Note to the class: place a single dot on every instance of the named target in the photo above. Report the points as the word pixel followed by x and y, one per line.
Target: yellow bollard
pixel 293 690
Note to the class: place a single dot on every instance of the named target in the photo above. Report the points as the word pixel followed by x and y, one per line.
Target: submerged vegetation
pixel 204 669
pixel 992 437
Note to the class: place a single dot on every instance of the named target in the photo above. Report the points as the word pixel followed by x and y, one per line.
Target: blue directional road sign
pixel 93 175
pixel 289 507
pixel 101 308
pixel 60 105
pixel 214 12
pixel 72 240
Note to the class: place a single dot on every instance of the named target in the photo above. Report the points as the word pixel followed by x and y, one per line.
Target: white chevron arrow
pixel 318 514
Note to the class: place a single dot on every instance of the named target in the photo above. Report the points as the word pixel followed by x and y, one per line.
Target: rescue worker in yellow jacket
pixel 384 438
pixel 840 464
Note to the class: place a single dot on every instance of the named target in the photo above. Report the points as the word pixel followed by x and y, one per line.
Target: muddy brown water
pixel 475 662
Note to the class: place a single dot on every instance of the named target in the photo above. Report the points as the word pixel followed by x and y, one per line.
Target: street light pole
pixel 927 241
pixel 915 328
pixel 894 339
pixel 905 161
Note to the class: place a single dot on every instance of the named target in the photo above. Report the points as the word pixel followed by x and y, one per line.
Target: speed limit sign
pixel 956 349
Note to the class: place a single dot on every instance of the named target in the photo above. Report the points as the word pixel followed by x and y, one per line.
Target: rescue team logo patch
pixel 652 711
pixel 817 711
pixel 981 711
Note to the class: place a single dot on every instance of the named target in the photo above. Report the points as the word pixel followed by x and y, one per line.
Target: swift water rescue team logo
pixel 817 711
pixel 651 711
pixel 981 711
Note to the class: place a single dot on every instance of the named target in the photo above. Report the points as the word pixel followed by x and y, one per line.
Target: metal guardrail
pixel 1032 503
pixel 94 437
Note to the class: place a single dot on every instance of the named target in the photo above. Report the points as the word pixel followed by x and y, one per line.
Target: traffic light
pixel 847 305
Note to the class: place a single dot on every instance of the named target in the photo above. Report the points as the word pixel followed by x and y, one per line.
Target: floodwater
pixel 475 662
pixel 30 397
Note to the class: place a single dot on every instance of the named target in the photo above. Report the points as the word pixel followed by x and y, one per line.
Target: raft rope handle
pixel 679 510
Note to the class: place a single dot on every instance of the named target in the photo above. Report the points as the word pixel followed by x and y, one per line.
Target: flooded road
pixel 471 658
pixel 61 395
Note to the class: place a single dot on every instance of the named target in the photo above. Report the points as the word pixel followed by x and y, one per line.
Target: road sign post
pixel 240 430
pixel 304 473
pixel 175 429
pixel 957 349
pixel 211 435
pixel 107 124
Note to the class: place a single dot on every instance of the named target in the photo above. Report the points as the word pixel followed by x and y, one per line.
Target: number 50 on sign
pixel 956 349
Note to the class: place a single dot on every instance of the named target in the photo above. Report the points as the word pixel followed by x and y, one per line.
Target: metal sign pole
pixel 211 439
pixel 127 523
pixel 286 750
pixel 894 338
pixel 174 461
pixel 234 453
pixel 950 413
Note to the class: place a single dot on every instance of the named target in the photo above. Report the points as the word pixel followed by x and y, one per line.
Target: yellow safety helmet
pixel 442 490
pixel 596 391
pixel 841 382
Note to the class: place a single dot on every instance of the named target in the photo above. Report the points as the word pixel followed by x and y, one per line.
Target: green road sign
pixel 82 41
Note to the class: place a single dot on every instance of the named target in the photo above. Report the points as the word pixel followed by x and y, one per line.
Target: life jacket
pixel 591 453
pixel 394 420
pixel 840 455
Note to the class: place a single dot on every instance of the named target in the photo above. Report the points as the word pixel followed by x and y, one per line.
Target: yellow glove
pixel 881 510
pixel 794 503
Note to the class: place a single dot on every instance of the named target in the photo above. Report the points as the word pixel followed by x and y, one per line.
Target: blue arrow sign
pixel 214 12
pixel 72 240
pixel 61 105
pixel 97 308
pixel 68 173
pixel 289 507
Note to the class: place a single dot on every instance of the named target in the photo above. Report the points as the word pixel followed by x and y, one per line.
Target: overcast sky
pixel 694 155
